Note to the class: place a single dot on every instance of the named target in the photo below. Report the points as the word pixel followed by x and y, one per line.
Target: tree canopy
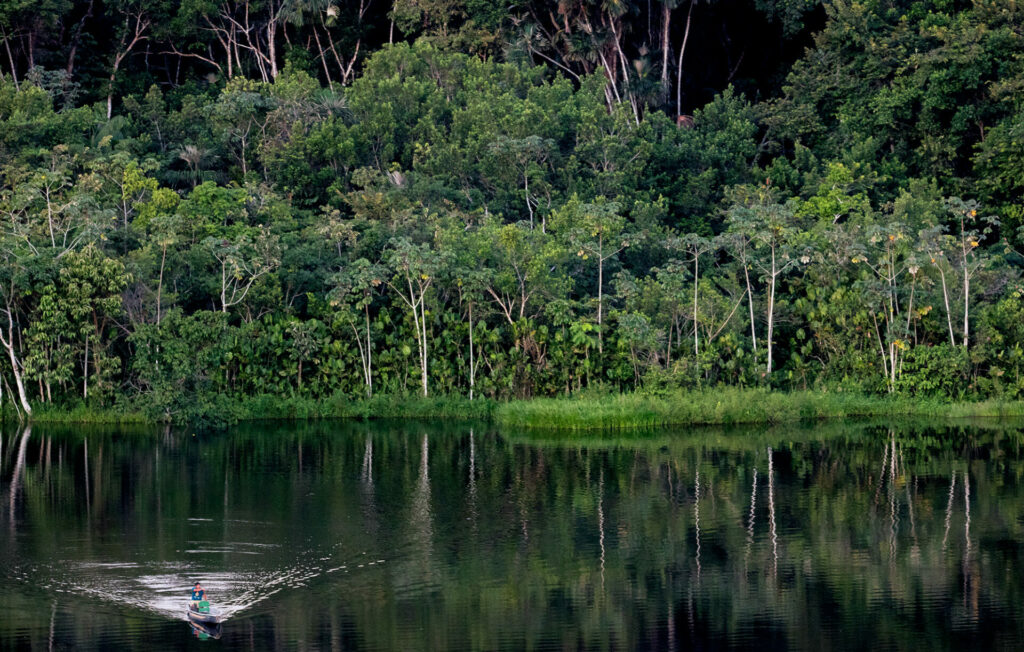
pixel 206 198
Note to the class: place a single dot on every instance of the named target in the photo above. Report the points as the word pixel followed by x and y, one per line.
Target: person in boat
pixel 198 594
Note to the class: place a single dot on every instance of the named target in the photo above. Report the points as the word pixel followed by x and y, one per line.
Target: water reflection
pixel 334 536
pixel 204 632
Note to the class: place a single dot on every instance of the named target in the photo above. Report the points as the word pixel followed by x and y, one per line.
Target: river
pixel 449 536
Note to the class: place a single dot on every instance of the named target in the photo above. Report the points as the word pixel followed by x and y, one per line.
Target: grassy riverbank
pixel 727 406
pixel 597 411
pixel 225 411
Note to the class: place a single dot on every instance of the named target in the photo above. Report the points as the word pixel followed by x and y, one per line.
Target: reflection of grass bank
pixel 724 406
pixel 727 406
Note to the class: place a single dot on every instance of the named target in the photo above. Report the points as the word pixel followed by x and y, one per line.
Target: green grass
pixel 378 407
pixel 225 411
pixel 730 406
pixel 592 411
pixel 86 414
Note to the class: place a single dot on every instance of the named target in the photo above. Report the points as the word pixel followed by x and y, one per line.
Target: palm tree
pixel 194 157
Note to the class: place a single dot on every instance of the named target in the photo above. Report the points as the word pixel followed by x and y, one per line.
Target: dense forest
pixel 207 199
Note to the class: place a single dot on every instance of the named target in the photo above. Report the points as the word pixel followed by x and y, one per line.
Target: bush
pixel 941 371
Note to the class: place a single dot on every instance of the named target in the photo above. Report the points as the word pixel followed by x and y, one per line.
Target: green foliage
pixel 180 364
pixel 504 202
pixel 940 371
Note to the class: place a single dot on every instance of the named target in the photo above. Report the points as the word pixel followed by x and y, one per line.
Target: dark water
pixel 339 536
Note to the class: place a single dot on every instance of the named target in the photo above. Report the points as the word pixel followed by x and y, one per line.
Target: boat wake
pixel 162 589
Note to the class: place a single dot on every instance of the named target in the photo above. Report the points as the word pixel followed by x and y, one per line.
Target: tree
pixel 414 268
pixel 243 261
pixel 524 156
pixel 240 116
pixel 9 337
pixel 164 226
pixel 885 250
pixel 694 247
pixel 352 292
pixel 519 267
pixel 304 343
pixel 740 244
pixel 596 230
pixel 88 290
pixel 470 281
pixel 970 255
pixel 134 31
pixel 770 227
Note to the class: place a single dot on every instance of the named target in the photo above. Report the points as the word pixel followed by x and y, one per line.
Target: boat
pixel 201 612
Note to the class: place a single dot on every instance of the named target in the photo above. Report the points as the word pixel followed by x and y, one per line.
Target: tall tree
pixel 770 227
pixel 597 230
pixel 414 268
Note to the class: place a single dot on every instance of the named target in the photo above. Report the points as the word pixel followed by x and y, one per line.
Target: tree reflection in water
pixel 436 536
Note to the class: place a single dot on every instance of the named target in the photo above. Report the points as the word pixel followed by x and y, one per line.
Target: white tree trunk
pixel 949 316
pixel 7 339
pixel 423 360
pixel 750 301
pixel 967 299
pixel 600 292
pixel 696 278
pixel 679 65
pixel 369 357
pixel 771 311
pixel 472 369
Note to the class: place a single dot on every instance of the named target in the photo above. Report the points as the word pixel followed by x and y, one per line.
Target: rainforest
pixel 208 203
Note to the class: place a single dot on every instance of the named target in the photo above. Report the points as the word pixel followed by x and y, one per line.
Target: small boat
pixel 201 612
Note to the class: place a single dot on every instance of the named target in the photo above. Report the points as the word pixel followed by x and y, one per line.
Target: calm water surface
pixel 337 536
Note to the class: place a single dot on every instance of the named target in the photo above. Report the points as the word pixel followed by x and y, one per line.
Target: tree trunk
pixel 323 57
pixel 160 283
pixel 526 190
pixel 679 65
pixel 77 38
pixel 363 354
pixel 10 58
pixel 419 319
pixel 272 49
pixel 949 317
pixel 85 370
pixel 625 72
pixel 610 74
pixel 771 312
pixel 423 321
pixel 600 298
pixel 666 17
pixel 140 28
pixel 472 370
pixel 8 342
pixel 668 349
pixel 967 299
pixel 750 301
pixel 881 349
pixel 369 356
pixel 696 278
pixel 893 352
pixel 110 93
pixel 223 288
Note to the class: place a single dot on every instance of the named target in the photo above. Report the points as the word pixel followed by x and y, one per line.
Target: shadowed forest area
pixel 320 200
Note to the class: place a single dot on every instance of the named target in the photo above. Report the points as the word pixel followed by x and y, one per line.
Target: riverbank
pixel 733 406
pixel 596 411
pixel 227 411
